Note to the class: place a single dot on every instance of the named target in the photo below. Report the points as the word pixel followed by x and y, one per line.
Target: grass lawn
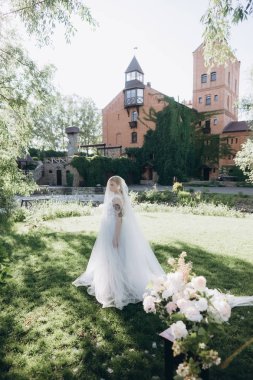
pixel 51 330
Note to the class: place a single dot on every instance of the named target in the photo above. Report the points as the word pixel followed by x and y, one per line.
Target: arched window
pixel 134 137
pixel 208 100
pixel 213 76
pixel 204 78
pixel 134 116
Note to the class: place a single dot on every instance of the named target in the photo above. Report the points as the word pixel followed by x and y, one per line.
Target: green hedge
pixel 96 170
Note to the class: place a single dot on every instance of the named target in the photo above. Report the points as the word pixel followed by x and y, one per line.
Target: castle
pixel 126 121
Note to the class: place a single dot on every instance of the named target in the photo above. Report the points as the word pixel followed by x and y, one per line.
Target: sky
pixel 165 32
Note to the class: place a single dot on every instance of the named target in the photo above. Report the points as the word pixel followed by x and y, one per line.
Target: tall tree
pixel 82 113
pixel 23 88
pixel 218 20
pixel 62 112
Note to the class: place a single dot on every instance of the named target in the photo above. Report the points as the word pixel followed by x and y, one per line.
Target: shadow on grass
pixel 50 329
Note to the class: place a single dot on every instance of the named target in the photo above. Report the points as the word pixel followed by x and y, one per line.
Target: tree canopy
pixel 40 17
pixel 26 90
pixel 218 20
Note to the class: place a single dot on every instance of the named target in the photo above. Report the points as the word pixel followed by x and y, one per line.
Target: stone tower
pixel 73 137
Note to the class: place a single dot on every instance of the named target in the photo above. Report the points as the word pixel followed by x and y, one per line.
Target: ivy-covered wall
pixel 96 170
pixel 173 148
pixel 178 147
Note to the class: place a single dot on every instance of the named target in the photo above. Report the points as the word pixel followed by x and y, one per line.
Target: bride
pixel 121 262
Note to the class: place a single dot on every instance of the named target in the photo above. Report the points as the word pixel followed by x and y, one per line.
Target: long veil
pixel 119 276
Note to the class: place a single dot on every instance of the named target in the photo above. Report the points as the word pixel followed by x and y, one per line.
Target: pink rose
pixel 199 283
pixel 170 307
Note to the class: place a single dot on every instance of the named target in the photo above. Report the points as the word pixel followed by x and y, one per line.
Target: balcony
pixel 133 124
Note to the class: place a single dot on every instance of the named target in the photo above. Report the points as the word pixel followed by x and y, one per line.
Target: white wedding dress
pixel 119 276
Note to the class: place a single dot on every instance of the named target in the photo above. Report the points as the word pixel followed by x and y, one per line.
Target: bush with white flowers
pixel 193 312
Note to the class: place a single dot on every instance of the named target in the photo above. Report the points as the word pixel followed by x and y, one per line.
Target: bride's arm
pixel 117 205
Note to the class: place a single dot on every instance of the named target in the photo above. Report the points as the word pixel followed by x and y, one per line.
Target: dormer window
pixel 134 75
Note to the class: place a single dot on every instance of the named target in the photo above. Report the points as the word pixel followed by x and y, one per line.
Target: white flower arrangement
pixel 193 313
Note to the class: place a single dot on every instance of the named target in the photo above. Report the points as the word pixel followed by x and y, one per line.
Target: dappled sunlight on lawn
pixel 51 329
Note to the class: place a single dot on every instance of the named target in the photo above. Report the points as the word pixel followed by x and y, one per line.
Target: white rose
pixel 183 304
pixel 178 330
pixel 149 304
pixel 167 293
pixel 201 304
pixel 158 284
pixel 223 308
pixel 199 283
pixel 170 307
pixel 175 281
pixel 192 314
pixel 189 292
pixel 177 296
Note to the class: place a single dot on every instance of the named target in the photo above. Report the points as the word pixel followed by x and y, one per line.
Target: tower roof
pixel 134 66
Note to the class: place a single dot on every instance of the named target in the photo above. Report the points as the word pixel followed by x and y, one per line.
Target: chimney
pixel 148 84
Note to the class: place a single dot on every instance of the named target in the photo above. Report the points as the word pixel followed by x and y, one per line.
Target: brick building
pixel 217 92
pixel 125 117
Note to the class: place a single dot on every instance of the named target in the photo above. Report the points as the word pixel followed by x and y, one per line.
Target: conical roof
pixel 134 66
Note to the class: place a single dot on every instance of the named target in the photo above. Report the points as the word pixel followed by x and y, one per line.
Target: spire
pixel 134 66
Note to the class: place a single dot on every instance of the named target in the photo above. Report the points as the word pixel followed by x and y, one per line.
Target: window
pixel 200 99
pixel 228 102
pixel 134 137
pixel 236 140
pixel 139 76
pixel 208 100
pixel 232 141
pixel 215 121
pixel 134 116
pixel 50 171
pixel 134 96
pixel 207 128
pixel 216 98
pixel 204 78
pixel 214 170
pixel 139 95
pixel 213 76
pixel 134 75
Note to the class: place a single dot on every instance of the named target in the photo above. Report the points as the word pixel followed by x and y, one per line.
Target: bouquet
pixel 193 312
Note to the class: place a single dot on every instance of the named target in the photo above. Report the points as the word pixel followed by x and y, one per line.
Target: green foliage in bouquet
pixel 194 314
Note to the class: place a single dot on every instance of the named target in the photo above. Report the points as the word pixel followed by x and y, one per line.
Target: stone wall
pixel 55 171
